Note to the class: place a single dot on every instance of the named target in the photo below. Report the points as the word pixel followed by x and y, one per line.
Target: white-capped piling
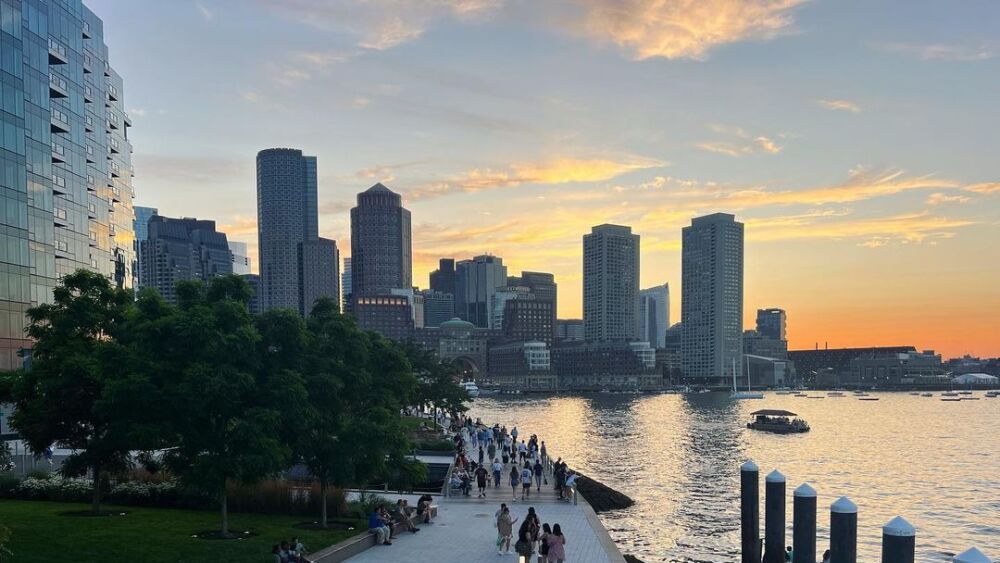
pixel 750 512
pixel 899 540
pixel 804 524
pixel 774 517
pixel 843 531
pixel 971 555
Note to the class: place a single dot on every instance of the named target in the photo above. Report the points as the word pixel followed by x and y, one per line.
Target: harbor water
pixel 936 463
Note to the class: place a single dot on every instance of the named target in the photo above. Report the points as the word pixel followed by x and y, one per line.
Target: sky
pixel 858 141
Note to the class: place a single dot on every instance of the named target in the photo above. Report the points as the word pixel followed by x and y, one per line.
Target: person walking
pixel 526 474
pixel 557 545
pixel 538 475
pixel 481 476
pixel 497 468
pixel 515 480
pixel 505 529
pixel 543 544
pixel 524 547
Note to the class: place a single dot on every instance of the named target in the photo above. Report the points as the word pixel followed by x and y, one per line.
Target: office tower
pixel 771 323
pixel 439 307
pixel 569 330
pixel 499 299
pixel 527 320
pixel 241 259
pixel 142 216
pixel 712 298
pixel 543 286
pixel 345 284
pixel 319 262
pixel 182 249
pixel 476 281
pixel 381 254
pixel 253 280
pixel 415 298
pixel 443 279
pixel 287 217
pixel 611 283
pixel 654 314
pixel 388 315
pixel 65 160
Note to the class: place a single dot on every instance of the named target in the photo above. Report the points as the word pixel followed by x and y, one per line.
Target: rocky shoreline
pixel 601 497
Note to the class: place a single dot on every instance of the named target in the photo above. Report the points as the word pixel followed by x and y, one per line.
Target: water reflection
pixel 937 464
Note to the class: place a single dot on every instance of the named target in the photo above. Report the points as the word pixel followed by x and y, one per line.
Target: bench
pixel 356 544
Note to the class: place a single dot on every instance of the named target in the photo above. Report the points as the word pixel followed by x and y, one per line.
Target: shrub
pixel 39 474
pixel 367 503
pixel 8 482
pixel 434 445
pixel 53 488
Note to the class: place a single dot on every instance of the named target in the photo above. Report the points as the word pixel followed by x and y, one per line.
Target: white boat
pixel 471 388
pixel 748 394
pixel 834 394
pixel 949 394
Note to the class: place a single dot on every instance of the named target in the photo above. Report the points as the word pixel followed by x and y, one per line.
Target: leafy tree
pixel 437 380
pixel 76 357
pixel 219 413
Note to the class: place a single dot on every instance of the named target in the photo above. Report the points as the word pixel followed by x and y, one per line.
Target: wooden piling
pixel 750 512
pixel 899 540
pixel 804 524
pixel 843 531
pixel 774 517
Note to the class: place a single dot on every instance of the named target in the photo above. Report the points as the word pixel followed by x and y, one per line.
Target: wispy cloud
pixel 938 198
pixel 323 59
pixel 740 142
pixel 840 105
pixel 555 171
pixel 981 51
pixel 677 29
pixel 984 188
pixel 206 14
pixel 360 102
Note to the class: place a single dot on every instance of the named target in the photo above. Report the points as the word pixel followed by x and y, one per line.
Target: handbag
pixel 523 548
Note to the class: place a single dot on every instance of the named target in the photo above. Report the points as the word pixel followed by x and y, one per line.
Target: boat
pixel 860 394
pixel 927 394
pixel 817 397
pixel 867 398
pixel 992 394
pixel 952 399
pixel 970 398
pixel 915 393
pixel 964 392
pixel 949 394
pixel 834 394
pixel 471 388
pixel 777 421
pixel 748 394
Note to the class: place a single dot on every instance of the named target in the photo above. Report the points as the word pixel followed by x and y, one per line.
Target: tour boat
pixel 748 394
pixel 777 421
pixel 471 388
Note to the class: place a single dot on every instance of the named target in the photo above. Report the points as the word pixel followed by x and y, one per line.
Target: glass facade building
pixel 65 159
pixel 611 283
pixel 381 252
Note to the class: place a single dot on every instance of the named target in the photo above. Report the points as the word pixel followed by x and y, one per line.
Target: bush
pixel 8 482
pixel 53 488
pixel 434 445
pixel 367 503
pixel 39 474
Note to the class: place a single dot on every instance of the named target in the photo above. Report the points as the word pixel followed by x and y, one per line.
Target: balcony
pixel 59 185
pixel 88 94
pixel 112 93
pixel 113 122
pixel 58 153
pixel 59 121
pixel 88 124
pixel 86 30
pixel 58 87
pixel 116 171
pixel 58 55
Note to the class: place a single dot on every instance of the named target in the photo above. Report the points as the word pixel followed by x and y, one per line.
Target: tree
pixel 219 415
pixel 76 358
pixel 437 385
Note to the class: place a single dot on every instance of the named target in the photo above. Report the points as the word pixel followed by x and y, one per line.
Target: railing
pixel 898 535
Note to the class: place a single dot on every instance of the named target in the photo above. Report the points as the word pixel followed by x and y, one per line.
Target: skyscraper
pixel 287 216
pixel 439 307
pixel 65 159
pixel 543 286
pixel 654 314
pixel 241 259
pixel 611 283
pixel 140 226
pixel 443 279
pixel 771 323
pixel 712 298
pixel 381 253
pixel 345 284
pixel 476 281
pixel 182 249
pixel 318 275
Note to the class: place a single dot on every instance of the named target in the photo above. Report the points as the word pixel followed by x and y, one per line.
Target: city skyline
pixel 863 175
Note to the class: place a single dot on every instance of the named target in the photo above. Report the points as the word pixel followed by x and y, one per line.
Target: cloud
pixel 840 105
pixel 360 102
pixel 981 51
pixel 205 13
pixel 767 145
pixel 938 198
pixel 904 228
pixel 382 24
pixel 555 171
pixel 676 29
pixel 725 148
pixel 250 96
pixel 984 188
pixel 742 143
pixel 138 112
pixel 323 59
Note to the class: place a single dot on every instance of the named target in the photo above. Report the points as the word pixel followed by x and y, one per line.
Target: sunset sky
pixel 858 141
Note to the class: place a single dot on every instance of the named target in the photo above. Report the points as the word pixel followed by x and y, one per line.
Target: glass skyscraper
pixel 65 159
pixel 611 283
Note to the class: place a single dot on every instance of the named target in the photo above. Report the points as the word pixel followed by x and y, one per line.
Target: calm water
pixel 935 463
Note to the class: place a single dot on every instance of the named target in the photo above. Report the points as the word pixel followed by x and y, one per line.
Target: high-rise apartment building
pixel 287 217
pixel 654 314
pixel 611 283
pixel 381 253
pixel 476 281
pixel 443 279
pixel 241 259
pixel 712 298
pixel 345 284
pixel 319 263
pixel 65 159
pixel 182 249
pixel 771 323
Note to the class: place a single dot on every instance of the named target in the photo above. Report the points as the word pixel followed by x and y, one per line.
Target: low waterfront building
pixel 388 315
pixel 836 361
pixel 976 380
pixel 769 372
pixel 612 365
pixel 523 366
pixel 460 341
pixel 569 330
pixel 890 370
pixel 416 301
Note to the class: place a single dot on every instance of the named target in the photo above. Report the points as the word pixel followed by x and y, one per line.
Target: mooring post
pixel 899 541
pixel 774 517
pixel 972 555
pixel 804 524
pixel 750 512
pixel 843 531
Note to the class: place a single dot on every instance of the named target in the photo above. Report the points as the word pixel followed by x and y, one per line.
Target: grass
pixel 39 533
pixel 413 423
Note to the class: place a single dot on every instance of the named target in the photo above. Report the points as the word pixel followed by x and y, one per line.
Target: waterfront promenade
pixel 464 531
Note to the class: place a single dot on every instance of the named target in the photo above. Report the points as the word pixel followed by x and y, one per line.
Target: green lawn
pixel 39 533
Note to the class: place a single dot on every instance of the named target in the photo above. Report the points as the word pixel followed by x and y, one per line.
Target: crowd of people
pixel 289 552
pixel 381 523
pixel 532 537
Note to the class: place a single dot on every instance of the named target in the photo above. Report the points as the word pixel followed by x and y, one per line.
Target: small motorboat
pixel 777 422
pixel 952 399
pixel 915 393
pixel 834 394
pixel 867 398
pixel 927 394
pixel 949 394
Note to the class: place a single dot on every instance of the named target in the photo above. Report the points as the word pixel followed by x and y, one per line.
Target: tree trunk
pixel 225 513
pixel 95 501
pixel 322 493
